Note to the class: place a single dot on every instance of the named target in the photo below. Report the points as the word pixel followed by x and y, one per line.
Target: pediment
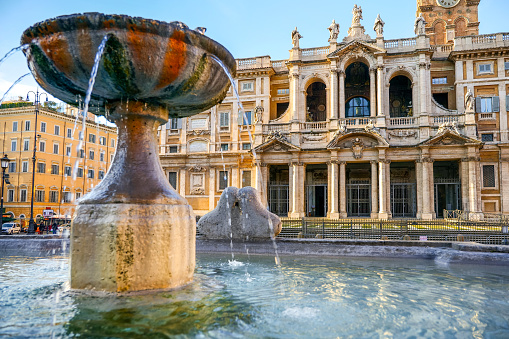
pixel 355 45
pixel 449 137
pixel 276 145
pixel 354 139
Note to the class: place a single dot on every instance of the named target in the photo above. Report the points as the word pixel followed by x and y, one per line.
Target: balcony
pixel 313 126
pixel 400 45
pixel 314 53
pixel 357 122
pixel 253 63
pixel 466 43
pixel 402 122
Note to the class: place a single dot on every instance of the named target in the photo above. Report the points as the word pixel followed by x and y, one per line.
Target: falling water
pixel 14 84
pixel 12 51
pixel 91 82
pixel 258 171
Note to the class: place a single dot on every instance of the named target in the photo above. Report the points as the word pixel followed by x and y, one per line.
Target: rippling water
pixel 304 297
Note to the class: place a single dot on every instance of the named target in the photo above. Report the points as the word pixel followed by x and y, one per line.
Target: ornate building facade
pixel 361 127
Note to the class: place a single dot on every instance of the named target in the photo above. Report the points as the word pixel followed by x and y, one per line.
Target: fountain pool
pixel 318 297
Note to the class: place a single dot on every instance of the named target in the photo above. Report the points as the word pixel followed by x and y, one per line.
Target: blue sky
pixel 246 28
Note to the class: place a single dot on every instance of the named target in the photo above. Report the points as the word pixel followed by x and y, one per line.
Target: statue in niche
pixel 333 30
pixel 420 25
pixel 357 15
pixel 258 113
pixel 296 37
pixel 379 26
pixel 469 101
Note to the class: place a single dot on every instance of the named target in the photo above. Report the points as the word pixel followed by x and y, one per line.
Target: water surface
pixel 252 297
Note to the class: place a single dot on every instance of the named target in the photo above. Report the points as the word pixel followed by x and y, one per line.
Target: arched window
pixel 316 102
pixel 400 97
pixel 357 107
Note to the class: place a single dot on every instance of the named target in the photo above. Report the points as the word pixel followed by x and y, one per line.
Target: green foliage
pixel 17 104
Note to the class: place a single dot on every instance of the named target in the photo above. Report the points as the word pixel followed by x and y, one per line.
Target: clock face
pixel 448 3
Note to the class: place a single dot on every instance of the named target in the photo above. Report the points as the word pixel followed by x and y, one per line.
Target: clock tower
pixel 446 19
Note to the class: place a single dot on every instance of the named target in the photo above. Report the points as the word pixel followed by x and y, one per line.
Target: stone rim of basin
pixel 148 61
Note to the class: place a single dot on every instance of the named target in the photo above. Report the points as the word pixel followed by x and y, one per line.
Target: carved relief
pixel 197 168
pixel 312 137
pixel 357 148
pixel 403 134
pixel 197 183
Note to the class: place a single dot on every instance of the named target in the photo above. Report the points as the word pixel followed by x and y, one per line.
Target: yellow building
pixel 62 172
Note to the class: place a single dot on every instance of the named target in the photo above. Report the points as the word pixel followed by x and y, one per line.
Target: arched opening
pixel 357 90
pixel 400 97
pixel 316 102
pixel 357 107
pixel 439 30
pixel 461 27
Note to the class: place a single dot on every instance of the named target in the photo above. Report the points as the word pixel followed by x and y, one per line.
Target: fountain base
pixel 132 247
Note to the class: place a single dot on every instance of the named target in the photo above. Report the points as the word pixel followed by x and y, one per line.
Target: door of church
pixel 358 192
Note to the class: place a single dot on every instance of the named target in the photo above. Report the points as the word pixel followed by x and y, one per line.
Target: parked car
pixel 11 228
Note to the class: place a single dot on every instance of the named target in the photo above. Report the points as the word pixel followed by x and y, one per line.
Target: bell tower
pixel 447 19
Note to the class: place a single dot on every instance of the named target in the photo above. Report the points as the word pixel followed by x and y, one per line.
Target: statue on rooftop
pixel 333 30
pixel 296 37
pixel 379 26
pixel 420 25
pixel 357 15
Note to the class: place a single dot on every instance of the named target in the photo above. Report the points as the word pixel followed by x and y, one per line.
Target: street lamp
pixel 31 226
pixel 4 163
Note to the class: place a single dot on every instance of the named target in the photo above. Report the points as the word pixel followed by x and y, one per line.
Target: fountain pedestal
pixel 133 231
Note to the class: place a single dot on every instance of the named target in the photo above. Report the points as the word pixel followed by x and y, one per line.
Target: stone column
pixel 291 190
pixel 460 95
pixel 342 189
pixel 372 91
pixel 294 95
pixel 374 189
pixel 504 185
pixel 212 188
pixel 235 177
pixel 428 199
pixel 423 89
pixel 341 94
pixel 474 178
pixel 383 187
pixel 379 92
pixel 301 208
pixel 182 182
pixel 262 183
pixel 418 175
pixel 333 95
pixel 333 189
pixel 297 188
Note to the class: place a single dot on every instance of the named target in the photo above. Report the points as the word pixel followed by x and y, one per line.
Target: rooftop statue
pixel 379 26
pixel 420 25
pixel 296 37
pixel 357 15
pixel 333 30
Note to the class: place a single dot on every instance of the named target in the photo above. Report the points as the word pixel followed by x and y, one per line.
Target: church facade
pixel 361 127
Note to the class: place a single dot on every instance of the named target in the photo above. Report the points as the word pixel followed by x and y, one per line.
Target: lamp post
pixel 31 226
pixel 4 163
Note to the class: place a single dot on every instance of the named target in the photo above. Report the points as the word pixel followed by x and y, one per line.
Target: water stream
pixel 12 51
pixel 12 86
pixel 251 140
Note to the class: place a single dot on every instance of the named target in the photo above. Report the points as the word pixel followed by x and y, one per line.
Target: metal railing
pixel 486 232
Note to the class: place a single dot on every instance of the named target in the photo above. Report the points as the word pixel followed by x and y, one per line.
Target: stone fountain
pixel 133 231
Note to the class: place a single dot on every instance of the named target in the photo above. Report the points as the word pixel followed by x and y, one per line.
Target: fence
pixel 395 229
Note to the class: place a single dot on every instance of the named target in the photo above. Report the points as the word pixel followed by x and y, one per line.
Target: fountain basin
pixel 154 62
